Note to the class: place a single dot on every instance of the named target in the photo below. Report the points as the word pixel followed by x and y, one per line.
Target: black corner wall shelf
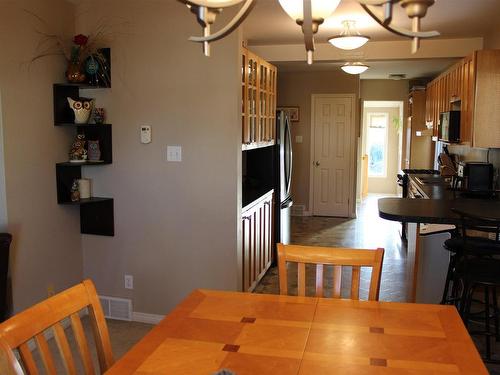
pixel 96 213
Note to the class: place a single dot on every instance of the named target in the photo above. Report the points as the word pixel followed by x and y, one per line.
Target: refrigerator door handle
pixel 289 141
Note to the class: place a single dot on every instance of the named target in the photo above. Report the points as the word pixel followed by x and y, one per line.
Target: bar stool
pixel 478 265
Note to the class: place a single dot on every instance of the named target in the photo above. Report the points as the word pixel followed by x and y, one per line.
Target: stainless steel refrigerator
pixel 283 174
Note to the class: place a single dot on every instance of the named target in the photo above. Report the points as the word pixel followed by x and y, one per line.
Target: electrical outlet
pixel 129 282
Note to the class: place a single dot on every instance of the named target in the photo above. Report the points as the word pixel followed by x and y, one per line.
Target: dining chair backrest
pixel 32 324
pixel 336 257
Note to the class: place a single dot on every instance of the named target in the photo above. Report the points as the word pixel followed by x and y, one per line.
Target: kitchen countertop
pixel 436 209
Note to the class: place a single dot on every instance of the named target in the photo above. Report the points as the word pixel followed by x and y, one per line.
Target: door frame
pixel 353 153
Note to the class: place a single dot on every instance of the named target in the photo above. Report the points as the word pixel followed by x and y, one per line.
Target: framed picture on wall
pixel 293 113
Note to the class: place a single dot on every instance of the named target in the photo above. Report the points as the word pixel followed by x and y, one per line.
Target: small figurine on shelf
pixel 94 152
pixel 75 192
pixel 99 115
pixel 78 153
pixel 82 107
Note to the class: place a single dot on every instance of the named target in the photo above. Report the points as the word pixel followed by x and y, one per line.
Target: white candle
pixel 84 188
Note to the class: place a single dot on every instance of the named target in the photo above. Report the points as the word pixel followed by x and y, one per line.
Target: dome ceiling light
pixel 354 67
pixel 350 38
pixel 309 14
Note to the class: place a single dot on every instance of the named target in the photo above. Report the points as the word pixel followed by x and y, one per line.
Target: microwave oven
pixel 449 126
pixel 477 177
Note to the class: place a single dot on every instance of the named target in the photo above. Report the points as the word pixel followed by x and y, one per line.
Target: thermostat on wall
pixel 145 134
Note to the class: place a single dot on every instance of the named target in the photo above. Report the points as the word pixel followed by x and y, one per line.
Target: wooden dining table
pixel 270 334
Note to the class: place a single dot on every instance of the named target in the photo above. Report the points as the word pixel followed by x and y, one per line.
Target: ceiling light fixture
pixel 354 67
pixel 207 10
pixel 415 9
pixel 309 14
pixel 350 38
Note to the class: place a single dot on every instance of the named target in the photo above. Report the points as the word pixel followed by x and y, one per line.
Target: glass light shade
pixel 320 9
pixel 354 67
pixel 348 42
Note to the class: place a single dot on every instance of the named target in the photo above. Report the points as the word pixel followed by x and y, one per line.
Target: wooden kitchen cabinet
pixel 420 153
pixel 257 234
pixel 258 115
pixel 471 86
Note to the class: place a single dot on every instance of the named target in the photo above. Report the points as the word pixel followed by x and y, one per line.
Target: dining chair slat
pixel 27 358
pixel 301 279
pixel 319 280
pixel 99 329
pixel 81 341
pixel 45 354
pixel 336 257
pixel 63 345
pixel 283 279
pixel 337 281
pixel 355 282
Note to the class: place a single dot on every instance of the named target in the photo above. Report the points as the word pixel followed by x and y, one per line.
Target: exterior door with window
pixel 382 147
pixel 332 154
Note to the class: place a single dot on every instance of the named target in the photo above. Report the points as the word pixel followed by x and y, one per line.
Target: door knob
pixel 316 163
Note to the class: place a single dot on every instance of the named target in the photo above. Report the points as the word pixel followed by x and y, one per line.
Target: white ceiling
pixel 269 24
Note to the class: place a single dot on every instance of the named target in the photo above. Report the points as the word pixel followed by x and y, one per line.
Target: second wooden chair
pixel 336 257
pixel 17 332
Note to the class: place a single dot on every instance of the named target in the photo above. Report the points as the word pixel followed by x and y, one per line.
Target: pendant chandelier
pixel 350 37
pixel 309 14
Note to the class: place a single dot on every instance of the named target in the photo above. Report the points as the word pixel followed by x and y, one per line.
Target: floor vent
pixel 116 308
pixel 298 210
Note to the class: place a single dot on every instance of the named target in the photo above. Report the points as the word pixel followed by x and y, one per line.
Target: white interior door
pixel 332 154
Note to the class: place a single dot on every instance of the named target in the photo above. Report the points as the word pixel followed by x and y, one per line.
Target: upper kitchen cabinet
pixel 258 96
pixel 472 87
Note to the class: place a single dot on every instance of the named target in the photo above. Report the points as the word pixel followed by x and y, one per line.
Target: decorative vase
pixel 94 151
pixel 74 73
pixel 82 108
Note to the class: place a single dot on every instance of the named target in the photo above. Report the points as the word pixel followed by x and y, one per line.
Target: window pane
pixel 377 145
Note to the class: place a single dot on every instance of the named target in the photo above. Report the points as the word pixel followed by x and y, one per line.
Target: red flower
pixel 80 39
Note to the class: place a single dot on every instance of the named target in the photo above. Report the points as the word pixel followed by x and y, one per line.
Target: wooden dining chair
pixel 336 257
pixel 18 331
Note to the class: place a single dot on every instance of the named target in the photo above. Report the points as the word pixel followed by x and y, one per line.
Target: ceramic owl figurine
pixel 94 151
pixel 78 153
pixel 82 108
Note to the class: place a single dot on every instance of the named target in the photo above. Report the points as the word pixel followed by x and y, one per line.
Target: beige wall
pixel 387 184
pixel 176 224
pixel 295 89
pixel 47 244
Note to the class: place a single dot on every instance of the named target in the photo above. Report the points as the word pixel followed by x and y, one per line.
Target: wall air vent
pixel 397 76
pixel 116 308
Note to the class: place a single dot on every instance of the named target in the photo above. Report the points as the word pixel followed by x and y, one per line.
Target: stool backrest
pixel 474 223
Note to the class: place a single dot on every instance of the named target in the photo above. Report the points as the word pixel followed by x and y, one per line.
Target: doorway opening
pixel 381 147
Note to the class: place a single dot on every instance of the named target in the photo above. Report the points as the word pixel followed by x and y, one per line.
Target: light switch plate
pixel 298 139
pixel 174 153
pixel 145 134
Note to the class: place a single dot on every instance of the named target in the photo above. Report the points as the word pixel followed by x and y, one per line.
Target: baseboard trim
pixel 146 318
